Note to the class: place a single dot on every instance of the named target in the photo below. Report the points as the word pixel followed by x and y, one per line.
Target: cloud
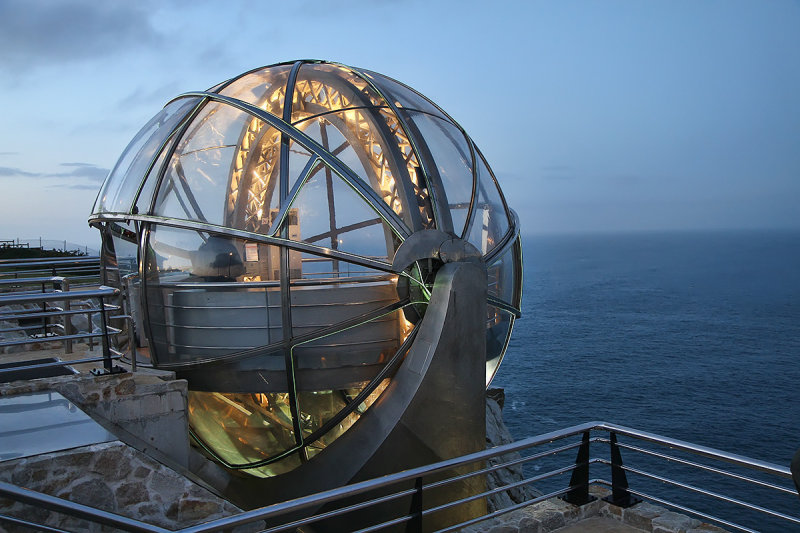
pixel 80 171
pixel 9 153
pixel 148 97
pixel 77 186
pixel 9 171
pixel 45 33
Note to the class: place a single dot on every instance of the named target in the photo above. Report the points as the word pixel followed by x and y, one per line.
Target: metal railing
pixel 51 306
pixel 576 492
pixel 82 271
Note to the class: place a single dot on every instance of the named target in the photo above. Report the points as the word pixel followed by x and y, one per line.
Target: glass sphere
pixel 254 227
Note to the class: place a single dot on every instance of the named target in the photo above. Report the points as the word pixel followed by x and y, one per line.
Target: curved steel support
pixel 434 244
pixel 433 409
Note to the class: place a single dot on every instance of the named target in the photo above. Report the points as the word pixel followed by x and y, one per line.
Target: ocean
pixel 694 336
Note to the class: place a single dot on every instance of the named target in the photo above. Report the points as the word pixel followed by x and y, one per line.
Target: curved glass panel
pixel 321 88
pixel 207 171
pixel 402 95
pixel 119 189
pixel 447 154
pixel 245 428
pixel 490 219
pixel 327 212
pixel 126 248
pixel 209 295
pixel 253 201
pixel 498 330
pixel 504 276
pixel 145 198
pixel 265 88
pixel 364 141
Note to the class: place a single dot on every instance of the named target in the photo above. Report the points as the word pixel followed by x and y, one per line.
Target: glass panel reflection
pixel 265 88
pixel 245 428
pixel 321 88
pixel 449 157
pixel 202 181
pixel 402 95
pixel 504 282
pixel 209 295
pixel 327 212
pixel 145 199
pixel 498 330
pixel 120 187
pixel 490 218
pixel 375 148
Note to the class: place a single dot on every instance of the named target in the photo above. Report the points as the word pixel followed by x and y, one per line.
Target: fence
pixel 576 491
pixel 82 271
pixel 47 244
pixel 48 307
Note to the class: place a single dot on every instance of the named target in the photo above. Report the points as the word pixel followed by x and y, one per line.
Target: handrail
pixel 4 263
pixel 45 298
pixel 402 479
pixel 14 298
pixel 85 270
pixel 30 281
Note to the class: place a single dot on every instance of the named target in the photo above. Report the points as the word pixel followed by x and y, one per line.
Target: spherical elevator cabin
pixel 279 237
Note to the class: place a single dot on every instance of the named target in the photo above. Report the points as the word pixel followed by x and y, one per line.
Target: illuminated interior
pixel 253 228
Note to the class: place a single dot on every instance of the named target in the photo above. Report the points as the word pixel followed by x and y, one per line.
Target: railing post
pixel 415 524
pixel 108 367
pixel 795 469
pixel 91 328
pixel 619 481
pixel 106 348
pixel 67 317
pixel 579 482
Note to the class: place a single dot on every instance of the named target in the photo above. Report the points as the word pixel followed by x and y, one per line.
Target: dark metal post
pixel 415 524
pixel 619 481
pixel 579 482
pixel 106 348
pixel 795 468
pixel 67 317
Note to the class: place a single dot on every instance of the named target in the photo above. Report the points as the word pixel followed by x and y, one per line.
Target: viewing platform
pixel 121 457
pixel 106 397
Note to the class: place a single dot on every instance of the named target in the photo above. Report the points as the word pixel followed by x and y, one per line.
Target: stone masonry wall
pixel 113 477
pixel 148 411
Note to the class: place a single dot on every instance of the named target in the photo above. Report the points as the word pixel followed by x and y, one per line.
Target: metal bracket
pixel 106 372
pixel 579 482
pixel 619 481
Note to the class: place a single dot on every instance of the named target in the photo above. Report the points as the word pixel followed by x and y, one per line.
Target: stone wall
pixel 113 477
pixel 145 410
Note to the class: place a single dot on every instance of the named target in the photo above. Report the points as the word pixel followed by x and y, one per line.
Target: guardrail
pixel 577 491
pixel 50 309
pixel 57 283
pixel 82 271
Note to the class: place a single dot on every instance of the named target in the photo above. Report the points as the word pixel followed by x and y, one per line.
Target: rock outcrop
pixel 496 434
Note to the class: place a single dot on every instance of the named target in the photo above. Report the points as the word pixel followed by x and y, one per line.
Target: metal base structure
pixel 433 409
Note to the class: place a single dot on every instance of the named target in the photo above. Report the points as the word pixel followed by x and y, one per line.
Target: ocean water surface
pixel 694 336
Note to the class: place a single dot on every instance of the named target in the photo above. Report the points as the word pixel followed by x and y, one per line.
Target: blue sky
pixel 596 116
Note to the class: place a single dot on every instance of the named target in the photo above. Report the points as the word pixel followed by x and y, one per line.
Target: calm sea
pixel 695 336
